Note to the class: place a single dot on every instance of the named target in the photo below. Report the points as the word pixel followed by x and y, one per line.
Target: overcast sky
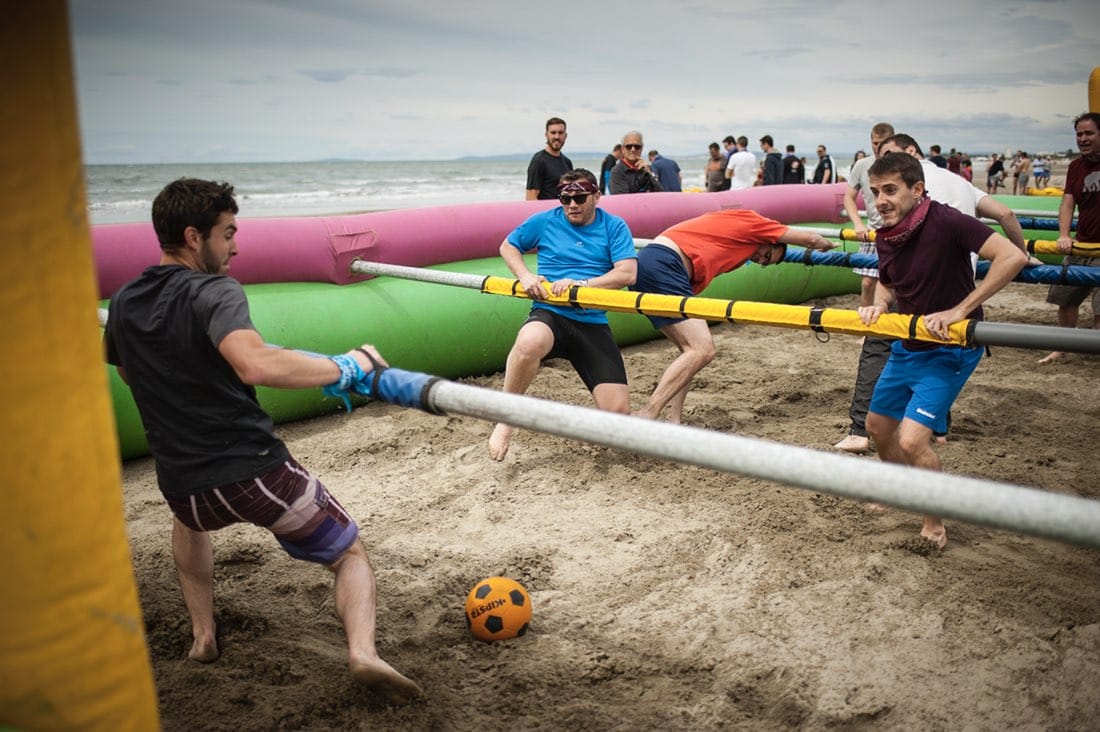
pixel 285 80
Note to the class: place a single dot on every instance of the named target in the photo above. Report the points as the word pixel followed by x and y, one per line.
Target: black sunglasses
pixel 578 199
pixel 633 147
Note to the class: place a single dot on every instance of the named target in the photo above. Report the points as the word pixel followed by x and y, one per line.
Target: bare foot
pixel 940 439
pixel 204 651
pixel 499 441
pixel 854 443
pixel 934 531
pixel 383 679
pixel 1053 357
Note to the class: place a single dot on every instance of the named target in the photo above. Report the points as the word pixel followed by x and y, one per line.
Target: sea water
pixel 124 193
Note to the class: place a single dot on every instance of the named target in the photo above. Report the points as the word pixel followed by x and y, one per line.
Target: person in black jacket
pixel 632 173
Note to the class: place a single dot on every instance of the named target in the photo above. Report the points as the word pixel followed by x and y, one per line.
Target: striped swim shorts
pixel 288 501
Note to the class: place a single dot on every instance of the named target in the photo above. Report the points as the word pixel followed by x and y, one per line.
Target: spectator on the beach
pixel 995 174
pixel 1082 192
pixel 741 168
pixel 181 336
pixel 1023 173
pixel 548 164
pixel 949 189
pixel 825 171
pixel 667 170
pixel 1014 167
pixel 860 155
pixel 632 173
pixel 729 146
pixel 954 162
pixel 794 168
pixel 715 170
pixel 608 164
pixel 578 245
pixel 683 260
pixel 773 162
pixel 936 157
pixel 924 256
pixel 1040 171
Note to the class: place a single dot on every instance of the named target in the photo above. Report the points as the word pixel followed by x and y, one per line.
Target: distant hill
pixel 526 156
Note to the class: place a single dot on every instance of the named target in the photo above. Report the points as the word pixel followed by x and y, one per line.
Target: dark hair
pixel 1094 116
pixel 729 140
pixel 577 174
pixel 713 146
pixel 743 141
pixel 556 121
pixel 189 202
pixel 903 141
pixel 618 146
pixel 767 140
pixel 904 164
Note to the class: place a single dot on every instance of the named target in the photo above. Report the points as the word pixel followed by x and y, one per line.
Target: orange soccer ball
pixel 498 608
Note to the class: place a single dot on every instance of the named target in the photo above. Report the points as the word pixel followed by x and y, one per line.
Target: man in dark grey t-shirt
pixel 181 336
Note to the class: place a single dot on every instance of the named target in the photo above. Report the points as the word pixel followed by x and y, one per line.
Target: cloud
pixel 327 76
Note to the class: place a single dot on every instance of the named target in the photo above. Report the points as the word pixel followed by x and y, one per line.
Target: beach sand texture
pixel 664 596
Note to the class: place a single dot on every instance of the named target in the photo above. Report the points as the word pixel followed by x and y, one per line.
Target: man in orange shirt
pixel 683 260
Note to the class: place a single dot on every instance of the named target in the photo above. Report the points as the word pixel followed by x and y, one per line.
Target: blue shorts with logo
pixel 922 385
pixel 660 271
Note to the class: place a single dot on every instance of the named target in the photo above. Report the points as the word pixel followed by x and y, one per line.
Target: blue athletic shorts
pixel 288 501
pixel 661 271
pixel 922 385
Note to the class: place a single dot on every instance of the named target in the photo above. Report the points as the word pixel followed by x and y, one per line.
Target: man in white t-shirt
pixel 741 169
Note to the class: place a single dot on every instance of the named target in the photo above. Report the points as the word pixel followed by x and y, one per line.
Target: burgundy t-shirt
pixel 1083 182
pixel 931 272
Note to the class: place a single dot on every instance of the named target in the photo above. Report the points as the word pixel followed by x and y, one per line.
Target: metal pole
pixel 830 320
pixel 1002 505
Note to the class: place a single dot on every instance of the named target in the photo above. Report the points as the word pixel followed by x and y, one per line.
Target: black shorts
pixel 590 347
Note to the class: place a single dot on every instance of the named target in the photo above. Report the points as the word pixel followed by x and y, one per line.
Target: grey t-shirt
pixel 204 425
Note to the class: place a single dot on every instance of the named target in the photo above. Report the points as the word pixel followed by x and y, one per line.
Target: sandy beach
pixel 664 596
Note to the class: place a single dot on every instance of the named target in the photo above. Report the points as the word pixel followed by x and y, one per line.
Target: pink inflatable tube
pixel 321 248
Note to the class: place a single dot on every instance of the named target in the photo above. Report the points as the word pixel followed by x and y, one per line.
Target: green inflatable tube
pixel 445 331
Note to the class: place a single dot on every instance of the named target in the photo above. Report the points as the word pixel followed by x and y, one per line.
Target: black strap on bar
pixel 729 311
pixel 638 302
pixel 913 326
pixel 683 306
pixel 815 319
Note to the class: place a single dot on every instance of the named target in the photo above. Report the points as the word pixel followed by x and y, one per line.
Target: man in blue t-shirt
pixel 578 245
pixel 924 267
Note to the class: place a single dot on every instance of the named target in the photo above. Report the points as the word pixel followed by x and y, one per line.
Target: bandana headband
pixel 581 185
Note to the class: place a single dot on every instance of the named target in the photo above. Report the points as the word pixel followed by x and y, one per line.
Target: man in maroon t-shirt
pixel 924 266
pixel 1082 192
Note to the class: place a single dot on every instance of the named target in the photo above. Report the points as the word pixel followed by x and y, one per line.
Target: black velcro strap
pixel 376 367
pixel 1029 245
pixel 913 326
pixel 638 302
pixel 1065 272
pixel 815 319
pixel 683 306
pixel 573 295
pixel 807 256
pixel 729 310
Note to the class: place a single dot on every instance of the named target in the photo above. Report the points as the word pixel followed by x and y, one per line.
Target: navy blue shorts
pixel 590 347
pixel 661 272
